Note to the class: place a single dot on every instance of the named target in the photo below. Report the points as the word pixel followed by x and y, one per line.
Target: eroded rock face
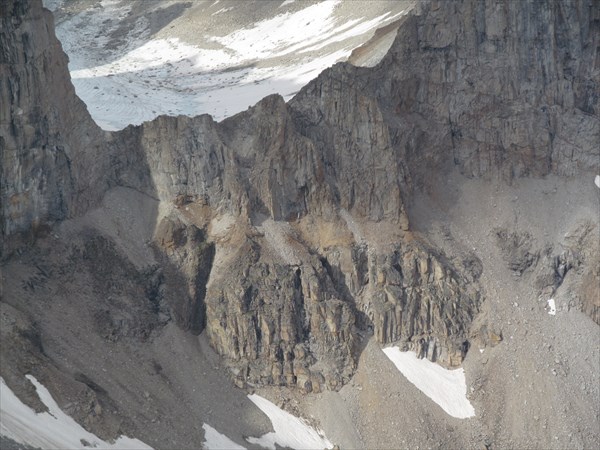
pixel 422 301
pixel 281 324
pixel 52 162
pixel 497 89
pixel 573 272
pixel 410 295
pixel 348 128
pixel 276 164
pixel 270 160
pixel 517 250
pixel 569 272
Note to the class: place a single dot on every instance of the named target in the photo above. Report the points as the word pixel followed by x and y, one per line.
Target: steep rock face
pixel 350 132
pixel 279 164
pixel 265 161
pixel 499 89
pixel 281 324
pixel 419 299
pixel 411 295
pixel 52 163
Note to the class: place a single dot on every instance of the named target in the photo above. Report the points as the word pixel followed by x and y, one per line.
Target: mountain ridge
pixel 288 234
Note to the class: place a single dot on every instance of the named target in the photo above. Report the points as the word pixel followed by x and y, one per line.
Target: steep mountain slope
pixel 435 201
pixel 132 61
pixel 46 130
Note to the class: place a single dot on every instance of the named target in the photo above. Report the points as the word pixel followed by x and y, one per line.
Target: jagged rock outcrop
pixel 421 300
pixel 261 162
pixel 270 163
pixel 410 295
pixel 281 324
pixel 517 250
pixel 573 272
pixel 570 271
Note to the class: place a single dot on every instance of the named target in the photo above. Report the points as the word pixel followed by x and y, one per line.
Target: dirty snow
pixel 283 34
pixel 51 429
pixel 213 440
pixel 146 77
pixel 355 30
pixel 309 29
pixel 551 307
pixel 290 431
pixel 448 388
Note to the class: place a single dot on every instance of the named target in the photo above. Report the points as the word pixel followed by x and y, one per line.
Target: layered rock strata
pixel 53 164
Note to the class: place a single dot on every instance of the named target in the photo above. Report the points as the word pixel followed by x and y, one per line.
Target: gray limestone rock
pixel 53 165
pixel 496 89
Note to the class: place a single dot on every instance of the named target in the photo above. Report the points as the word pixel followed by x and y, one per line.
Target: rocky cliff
pixel 53 165
pixel 289 222
pixel 498 89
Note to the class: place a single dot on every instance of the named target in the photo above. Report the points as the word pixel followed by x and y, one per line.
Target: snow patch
pixel 51 429
pixel 448 388
pixel 352 32
pixel 213 440
pixel 283 34
pixel 597 181
pixel 166 76
pixel 143 78
pixel 290 431
pixel 551 307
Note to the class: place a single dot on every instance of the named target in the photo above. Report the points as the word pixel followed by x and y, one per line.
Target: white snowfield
pixel 290 431
pixel 56 430
pixel 149 76
pixel 597 181
pixel 213 440
pixel 52 429
pixel 447 388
